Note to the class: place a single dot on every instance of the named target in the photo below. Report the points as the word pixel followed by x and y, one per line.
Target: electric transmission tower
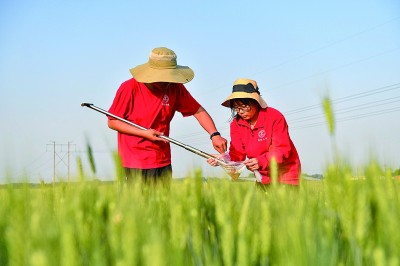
pixel 60 151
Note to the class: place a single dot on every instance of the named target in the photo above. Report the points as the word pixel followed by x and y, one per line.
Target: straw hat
pixel 162 67
pixel 245 88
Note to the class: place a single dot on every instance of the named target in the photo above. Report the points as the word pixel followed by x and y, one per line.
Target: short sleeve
pixel 187 105
pixel 122 102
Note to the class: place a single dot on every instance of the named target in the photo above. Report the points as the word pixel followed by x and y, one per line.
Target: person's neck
pixel 253 121
pixel 151 87
pixel 162 86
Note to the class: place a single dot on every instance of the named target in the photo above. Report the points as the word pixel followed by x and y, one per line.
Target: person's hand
pixel 153 135
pixel 219 143
pixel 213 161
pixel 252 164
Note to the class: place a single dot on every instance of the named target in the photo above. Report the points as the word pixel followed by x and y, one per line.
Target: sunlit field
pixel 341 219
pixel 336 221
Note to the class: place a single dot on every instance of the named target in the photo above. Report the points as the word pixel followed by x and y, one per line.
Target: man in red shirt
pixel 150 99
pixel 260 133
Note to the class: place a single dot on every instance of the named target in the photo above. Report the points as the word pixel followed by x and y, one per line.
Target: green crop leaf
pixel 327 105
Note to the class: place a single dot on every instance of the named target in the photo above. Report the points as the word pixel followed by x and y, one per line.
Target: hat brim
pixel 245 95
pixel 146 74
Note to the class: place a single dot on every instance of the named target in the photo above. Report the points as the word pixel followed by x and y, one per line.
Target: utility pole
pixel 69 142
pixel 54 162
pixel 68 160
pixel 61 155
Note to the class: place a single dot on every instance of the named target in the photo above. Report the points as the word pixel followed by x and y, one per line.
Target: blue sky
pixel 55 55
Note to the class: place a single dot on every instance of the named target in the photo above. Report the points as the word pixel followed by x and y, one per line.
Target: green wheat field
pixel 339 220
pixel 342 219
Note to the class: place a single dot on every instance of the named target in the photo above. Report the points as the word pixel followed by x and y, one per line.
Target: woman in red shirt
pixel 260 133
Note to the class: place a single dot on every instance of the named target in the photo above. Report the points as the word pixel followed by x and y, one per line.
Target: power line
pixel 61 153
pixel 369 114
pixel 352 97
pixel 351 36
pixel 32 163
pixel 35 160
pixel 336 68
pixel 377 103
pixel 386 88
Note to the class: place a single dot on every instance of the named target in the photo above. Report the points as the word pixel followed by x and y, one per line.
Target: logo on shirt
pixel 165 100
pixel 261 135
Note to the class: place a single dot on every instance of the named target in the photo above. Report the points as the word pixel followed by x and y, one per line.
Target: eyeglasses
pixel 243 108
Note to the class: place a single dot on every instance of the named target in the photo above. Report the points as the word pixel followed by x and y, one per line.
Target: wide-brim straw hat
pixel 162 67
pixel 245 89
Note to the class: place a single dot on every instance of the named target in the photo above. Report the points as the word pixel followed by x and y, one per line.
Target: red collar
pixel 262 116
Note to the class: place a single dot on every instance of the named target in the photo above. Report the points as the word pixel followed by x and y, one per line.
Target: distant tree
pixel 396 172
pixel 317 176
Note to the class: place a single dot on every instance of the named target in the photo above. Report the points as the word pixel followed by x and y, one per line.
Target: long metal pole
pixel 187 147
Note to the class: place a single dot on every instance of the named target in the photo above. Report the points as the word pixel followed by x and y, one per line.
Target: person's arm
pixel 124 128
pixel 207 123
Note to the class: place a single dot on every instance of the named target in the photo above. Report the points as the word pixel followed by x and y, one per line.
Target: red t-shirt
pixel 270 137
pixel 150 109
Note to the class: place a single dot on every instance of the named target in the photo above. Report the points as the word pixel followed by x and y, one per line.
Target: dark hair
pixel 245 101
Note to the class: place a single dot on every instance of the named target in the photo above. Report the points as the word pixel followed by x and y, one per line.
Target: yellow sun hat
pixel 245 89
pixel 162 67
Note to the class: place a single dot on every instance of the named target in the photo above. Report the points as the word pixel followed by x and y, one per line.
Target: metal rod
pixel 187 147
